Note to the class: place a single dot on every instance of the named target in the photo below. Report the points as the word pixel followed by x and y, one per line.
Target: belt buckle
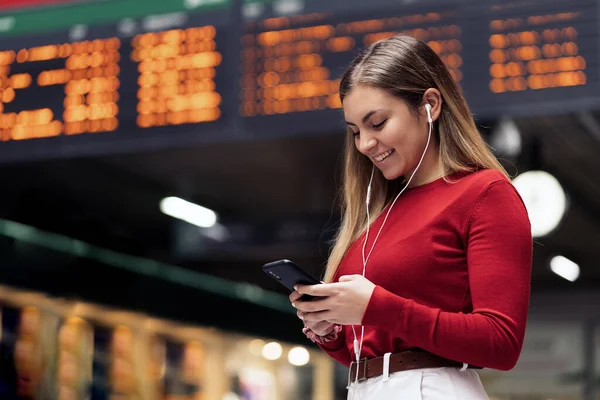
pixel 352 376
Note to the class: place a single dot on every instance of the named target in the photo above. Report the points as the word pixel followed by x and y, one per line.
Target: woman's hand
pixel 344 302
pixel 320 328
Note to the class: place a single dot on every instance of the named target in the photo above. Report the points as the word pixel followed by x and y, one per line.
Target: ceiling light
pixel 298 356
pixel 506 138
pixel 272 351
pixel 189 212
pixel 564 268
pixel 544 199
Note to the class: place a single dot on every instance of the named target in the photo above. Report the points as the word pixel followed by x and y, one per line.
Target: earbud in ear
pixel 428 109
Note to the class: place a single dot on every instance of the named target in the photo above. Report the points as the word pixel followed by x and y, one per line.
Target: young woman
pixel 429 277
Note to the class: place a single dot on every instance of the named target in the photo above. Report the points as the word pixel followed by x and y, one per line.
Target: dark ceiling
pixel 112 201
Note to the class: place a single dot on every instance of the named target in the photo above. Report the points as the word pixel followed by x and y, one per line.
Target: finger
pixel 320 290
pixel 325 328
pixel 315 325
pixel 348 278
pixel 312 306
pixel 316 316
pixel 320 326
pixel 294 296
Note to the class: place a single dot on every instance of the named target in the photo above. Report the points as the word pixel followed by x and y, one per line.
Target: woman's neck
pixel 431 168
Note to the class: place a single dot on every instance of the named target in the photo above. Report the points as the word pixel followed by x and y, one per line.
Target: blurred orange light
pixel 43 53
pixel 8 95
pixel 22 56
pixel 20 81
pixel 497 86
pixel 7 57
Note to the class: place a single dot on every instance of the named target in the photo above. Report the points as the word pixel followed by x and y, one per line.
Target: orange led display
pixel 90 79
pixel 176 82
pixel 285 69
pixel 525 54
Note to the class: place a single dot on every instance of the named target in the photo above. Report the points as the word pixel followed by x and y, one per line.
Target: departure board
pixel 293 64
pixel 508 57
pixel 254 68
pixel 83 76
pixel 531 57
pixel 145 83
pixel 289 69
pixel 177 77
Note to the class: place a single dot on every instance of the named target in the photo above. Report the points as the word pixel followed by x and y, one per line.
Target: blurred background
pixel 155 154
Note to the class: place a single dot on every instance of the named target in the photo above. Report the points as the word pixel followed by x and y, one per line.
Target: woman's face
pixel 386 130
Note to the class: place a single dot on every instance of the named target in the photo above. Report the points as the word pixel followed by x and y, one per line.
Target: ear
pixel 434 98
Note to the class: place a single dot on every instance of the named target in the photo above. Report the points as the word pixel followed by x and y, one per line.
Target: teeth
pixel 383 156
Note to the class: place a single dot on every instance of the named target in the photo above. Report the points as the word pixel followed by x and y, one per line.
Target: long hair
pixel 404 67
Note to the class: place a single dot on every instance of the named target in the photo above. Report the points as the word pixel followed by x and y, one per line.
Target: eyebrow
pixel 364 119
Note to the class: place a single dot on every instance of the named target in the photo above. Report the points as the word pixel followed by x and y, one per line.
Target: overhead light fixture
pixel 298 356
pixel 544 199
pixel 506 138
pixel 272 351
pixel 256 346
pixel 188 212
pixel 565 268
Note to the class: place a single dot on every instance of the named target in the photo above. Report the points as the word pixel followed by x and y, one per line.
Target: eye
pixel 353 133
pixel 380 125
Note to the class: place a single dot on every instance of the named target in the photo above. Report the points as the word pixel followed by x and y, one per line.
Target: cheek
pixel 408 133
pixel 397 135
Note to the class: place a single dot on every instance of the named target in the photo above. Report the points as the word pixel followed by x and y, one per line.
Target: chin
pixel 392 175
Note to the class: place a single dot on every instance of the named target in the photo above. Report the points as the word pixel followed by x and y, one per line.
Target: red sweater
pixel 452 267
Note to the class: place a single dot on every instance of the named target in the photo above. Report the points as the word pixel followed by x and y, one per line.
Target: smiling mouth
pixel 383 156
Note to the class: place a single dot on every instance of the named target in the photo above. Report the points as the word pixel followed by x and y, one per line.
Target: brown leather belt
pixel 404 361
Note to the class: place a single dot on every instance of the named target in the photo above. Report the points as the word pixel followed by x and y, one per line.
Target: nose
pixel 366 143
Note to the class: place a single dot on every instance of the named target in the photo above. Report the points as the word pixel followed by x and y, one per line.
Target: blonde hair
pixel 404 67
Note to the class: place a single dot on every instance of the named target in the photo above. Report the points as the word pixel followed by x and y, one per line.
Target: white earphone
pixel 428 109
pixel 357 344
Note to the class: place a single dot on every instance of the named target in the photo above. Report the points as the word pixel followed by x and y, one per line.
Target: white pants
pixel 421 384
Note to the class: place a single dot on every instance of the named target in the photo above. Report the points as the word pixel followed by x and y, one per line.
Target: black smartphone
pixel 289 275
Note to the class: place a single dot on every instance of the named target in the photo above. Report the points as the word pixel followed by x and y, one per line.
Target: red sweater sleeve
pixel 337 349
pixel 499 255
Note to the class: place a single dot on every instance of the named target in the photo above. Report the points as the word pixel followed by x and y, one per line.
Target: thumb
pixel 348 278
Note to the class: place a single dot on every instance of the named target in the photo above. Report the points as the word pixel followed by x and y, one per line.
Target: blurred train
pixel 54 349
